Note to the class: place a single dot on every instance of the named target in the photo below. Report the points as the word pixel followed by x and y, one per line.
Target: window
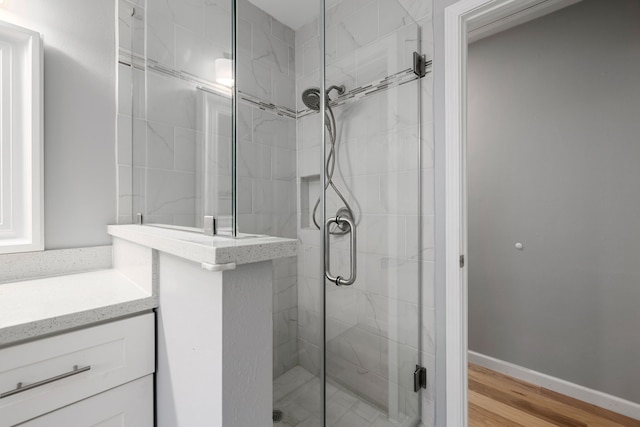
pixel 21 130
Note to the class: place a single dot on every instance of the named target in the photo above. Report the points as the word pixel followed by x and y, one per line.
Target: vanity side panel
pixel 214 345
pixel 189 370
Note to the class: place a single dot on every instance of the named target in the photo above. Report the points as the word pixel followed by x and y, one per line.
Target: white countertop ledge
pixel 212 250
pixel 33 308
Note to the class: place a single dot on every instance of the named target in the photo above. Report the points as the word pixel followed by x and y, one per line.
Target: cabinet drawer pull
pixel 20 387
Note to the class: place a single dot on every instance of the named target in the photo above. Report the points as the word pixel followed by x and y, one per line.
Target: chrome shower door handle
pixel 339 280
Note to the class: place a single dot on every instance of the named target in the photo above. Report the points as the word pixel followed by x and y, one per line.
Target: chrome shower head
pixel 311 96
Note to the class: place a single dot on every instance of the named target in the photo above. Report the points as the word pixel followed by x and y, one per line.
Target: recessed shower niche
pixel 310 189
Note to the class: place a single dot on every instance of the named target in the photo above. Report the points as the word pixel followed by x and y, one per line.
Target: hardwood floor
pixel 498 400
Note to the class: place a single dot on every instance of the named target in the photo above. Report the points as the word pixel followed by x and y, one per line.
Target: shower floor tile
pixel 297 395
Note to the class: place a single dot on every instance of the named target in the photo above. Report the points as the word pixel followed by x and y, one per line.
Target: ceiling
pixel 293 13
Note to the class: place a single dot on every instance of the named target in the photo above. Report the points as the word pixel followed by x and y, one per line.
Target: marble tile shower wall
pixel 168 61
pixel 378 168
pixel 267 201
pixel 165 132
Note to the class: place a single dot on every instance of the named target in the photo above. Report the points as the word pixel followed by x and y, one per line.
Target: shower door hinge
pixel 420 64
pixel 461 261
pixel 419 378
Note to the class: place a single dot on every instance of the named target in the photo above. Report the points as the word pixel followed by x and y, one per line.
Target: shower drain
pixel 277 415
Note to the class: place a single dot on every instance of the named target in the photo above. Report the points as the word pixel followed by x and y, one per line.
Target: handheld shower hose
pixel 311 98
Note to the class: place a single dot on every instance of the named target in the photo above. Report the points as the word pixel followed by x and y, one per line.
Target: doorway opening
pixel 528 278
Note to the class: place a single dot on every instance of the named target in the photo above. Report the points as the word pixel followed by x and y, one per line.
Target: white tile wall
pixel 267 161
pixel 418 9
pixel 180 119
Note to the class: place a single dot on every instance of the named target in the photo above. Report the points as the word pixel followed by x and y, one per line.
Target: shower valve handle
pixel 339 280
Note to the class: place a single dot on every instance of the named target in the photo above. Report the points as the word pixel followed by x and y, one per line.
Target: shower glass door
pixel 371 215
pixel 343 353
pixel 176 72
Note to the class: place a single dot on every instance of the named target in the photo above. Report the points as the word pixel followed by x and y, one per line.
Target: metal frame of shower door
pixel 322 30
pixel 234 120
pixel 420 224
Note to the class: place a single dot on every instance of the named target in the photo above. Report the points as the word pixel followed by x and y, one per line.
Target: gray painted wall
pixel 553 154
pixel 79 114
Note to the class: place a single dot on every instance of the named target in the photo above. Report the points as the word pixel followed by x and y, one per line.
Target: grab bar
pixel 339 280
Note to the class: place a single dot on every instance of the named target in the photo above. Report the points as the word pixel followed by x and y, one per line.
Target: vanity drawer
pixel 69 367
pixel 130 405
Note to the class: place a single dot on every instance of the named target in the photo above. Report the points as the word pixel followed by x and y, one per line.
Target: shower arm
pixel 341 89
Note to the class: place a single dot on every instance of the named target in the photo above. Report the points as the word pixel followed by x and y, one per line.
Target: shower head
pixel 311 96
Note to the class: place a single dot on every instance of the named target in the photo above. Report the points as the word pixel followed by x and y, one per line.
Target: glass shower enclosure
pixel 297 119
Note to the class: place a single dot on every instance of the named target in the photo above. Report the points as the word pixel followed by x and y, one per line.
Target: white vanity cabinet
pixel 99 376
pixel 130 405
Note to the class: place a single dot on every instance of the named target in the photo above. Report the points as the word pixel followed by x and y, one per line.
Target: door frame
pixel 466 20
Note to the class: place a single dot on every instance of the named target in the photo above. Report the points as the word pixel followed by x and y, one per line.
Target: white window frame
pixel 21 140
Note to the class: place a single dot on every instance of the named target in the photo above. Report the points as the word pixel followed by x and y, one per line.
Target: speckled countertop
pixel 33 308
pixel 207 249
pixel 37 307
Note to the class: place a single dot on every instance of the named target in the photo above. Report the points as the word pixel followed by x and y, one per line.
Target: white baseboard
pixel 594 397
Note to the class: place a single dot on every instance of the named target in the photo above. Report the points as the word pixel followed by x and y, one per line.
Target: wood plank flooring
pixel 498 400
